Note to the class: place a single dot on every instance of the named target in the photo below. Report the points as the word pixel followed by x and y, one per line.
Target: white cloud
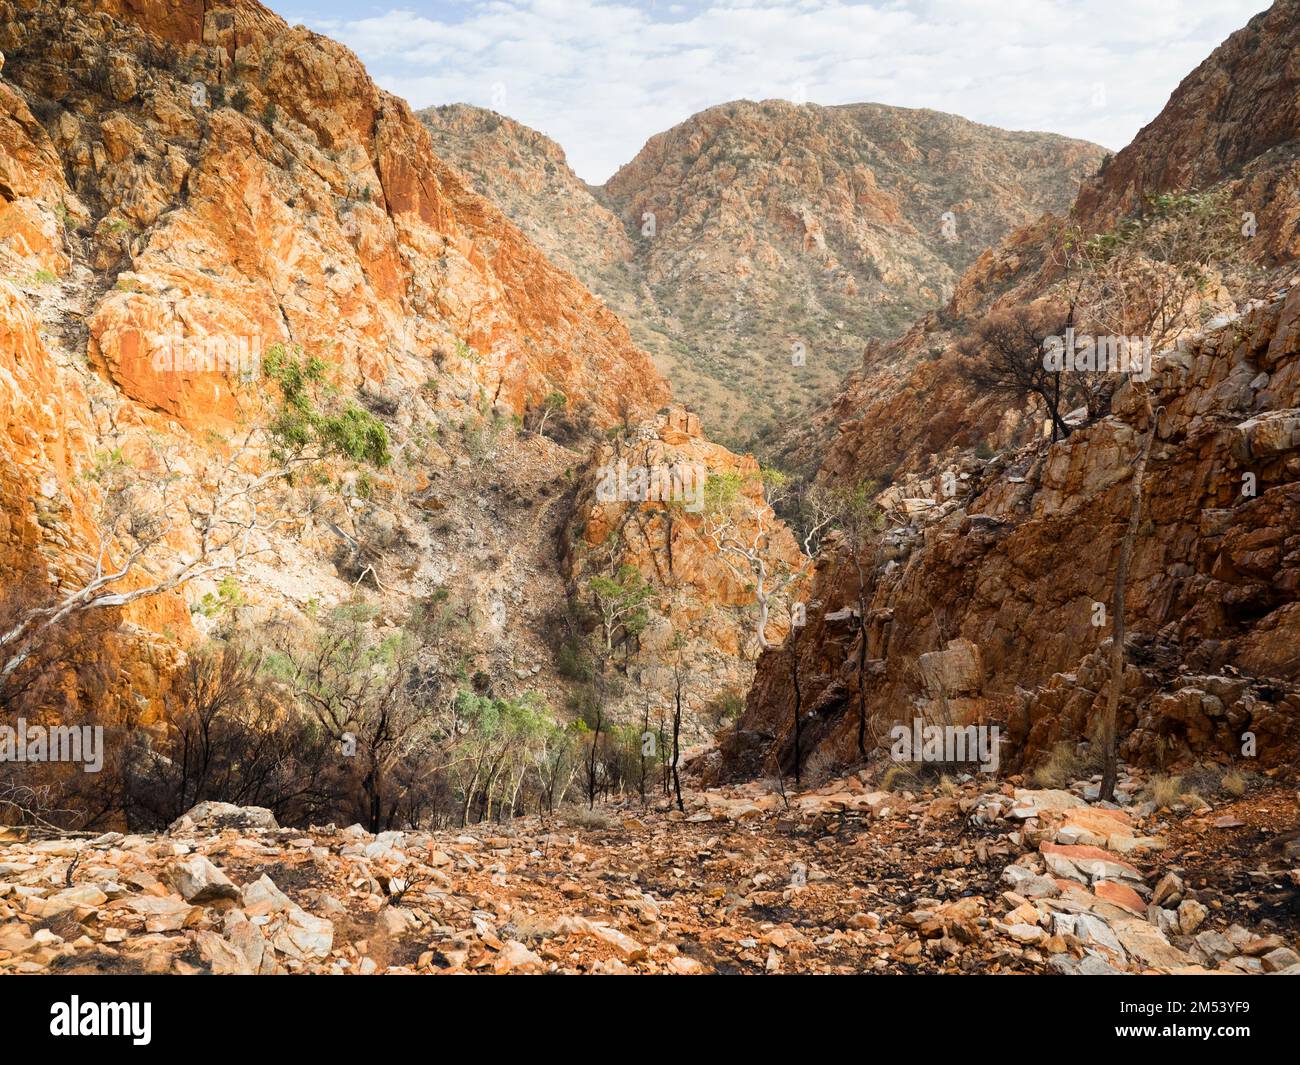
pixel 601 77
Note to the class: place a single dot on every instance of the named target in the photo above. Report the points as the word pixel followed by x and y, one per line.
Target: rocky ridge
pixel 1228 127
pixel 997 538
pixel 774 225
pixel 206 178
pixel 704 607
pixel 1012 560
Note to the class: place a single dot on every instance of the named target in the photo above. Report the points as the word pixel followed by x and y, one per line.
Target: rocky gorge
pixel 363 487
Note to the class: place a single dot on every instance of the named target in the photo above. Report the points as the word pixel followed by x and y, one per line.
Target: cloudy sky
pixel 601 76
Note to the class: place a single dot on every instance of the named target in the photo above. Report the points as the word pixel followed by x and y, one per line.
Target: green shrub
pixel 726 707
pixel 228 597
pixel 299 423
pixel 572 660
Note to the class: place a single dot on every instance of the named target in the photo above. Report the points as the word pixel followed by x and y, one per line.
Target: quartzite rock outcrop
pixel 1010 547
pixel 703 615
pixel 183 187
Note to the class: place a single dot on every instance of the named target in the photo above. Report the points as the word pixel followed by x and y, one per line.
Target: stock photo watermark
pixel 1085 353
pixel 679 482
pixel 237 355
pixel 22 742
pixel 946 744
pixel 77 1018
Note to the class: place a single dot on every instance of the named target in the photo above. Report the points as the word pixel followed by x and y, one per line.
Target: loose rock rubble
pixel 966 877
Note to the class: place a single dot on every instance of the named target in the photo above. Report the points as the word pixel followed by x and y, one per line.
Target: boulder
pixel 514 957
pixel 957 670
pixel 197 880
pixel 1035 803
pixel 263 897
pixel 299 934
pixel 1146 943
pixel 1191 915
pixel 215 816
pixel 222 957
pixel 1087 864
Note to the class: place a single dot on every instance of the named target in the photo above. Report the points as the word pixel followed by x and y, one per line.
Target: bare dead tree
pixel 1004 356
pixel 34 809
pixel 593 776
pixel 1110 770
pixel 663 746
pixel 860 521
pixel 679 684
pixel 742 537
pixel 1151 274
pixel 645 731
pixel 359 691
pixel 817 509
pixel 398 887
pixel 225 511
pixel 213 687
pixel 140 513
pixel 780 788
pixel 797 709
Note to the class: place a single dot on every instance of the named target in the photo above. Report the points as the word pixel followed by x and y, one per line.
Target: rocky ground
pixel 974 877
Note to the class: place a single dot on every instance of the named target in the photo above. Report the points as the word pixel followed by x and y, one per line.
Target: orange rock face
pixel 203 182
pixel 316 214
pixel 313 213
pixel 47 509
pixel 41 437
pixel 30 176
pixel 697 596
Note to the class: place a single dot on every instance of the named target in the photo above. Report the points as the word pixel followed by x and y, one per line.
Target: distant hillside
pixel 783 237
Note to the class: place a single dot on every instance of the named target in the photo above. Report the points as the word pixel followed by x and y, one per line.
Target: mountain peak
pixel 756 247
